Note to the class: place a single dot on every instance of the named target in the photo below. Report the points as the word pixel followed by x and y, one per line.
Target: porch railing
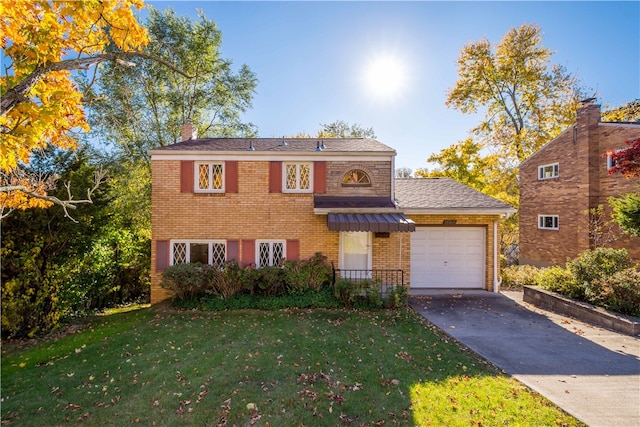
pixel 386 279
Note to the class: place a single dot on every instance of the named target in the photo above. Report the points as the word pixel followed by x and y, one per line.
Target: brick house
pixel 563 180
pixel 259 200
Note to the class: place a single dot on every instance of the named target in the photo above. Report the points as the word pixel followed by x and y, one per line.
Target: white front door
pixel 355 250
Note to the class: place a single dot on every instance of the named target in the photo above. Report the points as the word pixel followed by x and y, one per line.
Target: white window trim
pixel 188 250
pixel 555 166
pixel 297 189
pixel 541 222
pixel 196 177
pixel 270 242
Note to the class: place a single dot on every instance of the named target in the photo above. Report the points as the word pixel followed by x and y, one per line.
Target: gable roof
pixel 444 195
pixel 275 145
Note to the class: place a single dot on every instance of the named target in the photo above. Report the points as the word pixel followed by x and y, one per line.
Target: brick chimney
pixel 189 131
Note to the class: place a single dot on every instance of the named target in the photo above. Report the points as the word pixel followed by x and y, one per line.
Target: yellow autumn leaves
pixel 37 35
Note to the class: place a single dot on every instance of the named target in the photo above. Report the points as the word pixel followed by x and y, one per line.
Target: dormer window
pixel 356 178
pixel 548 171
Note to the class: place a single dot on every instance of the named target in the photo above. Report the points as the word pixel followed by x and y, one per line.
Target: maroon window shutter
pixel 248 252
pixel 275 177
pixel 186 176
pixel 293 250
pixel 232 250
pixel 231 176
pixel 320 177
pixel 162 255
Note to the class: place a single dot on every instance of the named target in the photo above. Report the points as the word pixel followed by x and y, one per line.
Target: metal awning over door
pixel 375 222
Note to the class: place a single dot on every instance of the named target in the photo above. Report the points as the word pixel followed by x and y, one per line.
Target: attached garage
pixel 448 257
pixel 455 244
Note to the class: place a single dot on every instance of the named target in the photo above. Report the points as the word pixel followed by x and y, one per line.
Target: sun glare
pixel 385 76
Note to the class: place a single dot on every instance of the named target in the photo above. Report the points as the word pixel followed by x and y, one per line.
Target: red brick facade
pixel 582 184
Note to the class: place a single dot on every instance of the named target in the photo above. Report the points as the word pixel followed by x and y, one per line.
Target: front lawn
pixel 264 368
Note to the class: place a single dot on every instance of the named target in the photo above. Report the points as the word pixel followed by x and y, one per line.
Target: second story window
pixel 356 177
pixel 209 177
pixel 548 171
pixel 548 222
pixel 297 177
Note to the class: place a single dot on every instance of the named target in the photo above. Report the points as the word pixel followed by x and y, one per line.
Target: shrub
pixel 558 279
pixel 228 280
pixel 187 280
pixel 517 276
pixel 594 264
pixel 270 281
pixel 312 273
pixel 358 293
pixel 397 297
pixel 619 292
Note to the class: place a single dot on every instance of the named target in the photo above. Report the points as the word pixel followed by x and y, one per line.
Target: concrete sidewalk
pixel 590 372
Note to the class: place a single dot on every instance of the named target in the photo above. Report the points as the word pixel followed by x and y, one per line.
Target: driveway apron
pixel 590 372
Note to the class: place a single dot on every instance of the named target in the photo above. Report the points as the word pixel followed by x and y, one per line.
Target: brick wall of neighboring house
pixel 251 213
pixel 485 221
pixel 583 183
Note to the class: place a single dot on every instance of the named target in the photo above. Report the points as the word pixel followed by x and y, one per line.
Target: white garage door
pixel 448 257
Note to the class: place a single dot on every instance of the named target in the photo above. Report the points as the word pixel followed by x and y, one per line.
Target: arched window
pixel 356 177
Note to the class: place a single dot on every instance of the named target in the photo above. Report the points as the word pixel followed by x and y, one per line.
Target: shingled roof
pixel 435 195
pixel 280 145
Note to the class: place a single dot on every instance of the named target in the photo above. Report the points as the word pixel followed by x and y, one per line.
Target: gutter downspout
pixel 496 271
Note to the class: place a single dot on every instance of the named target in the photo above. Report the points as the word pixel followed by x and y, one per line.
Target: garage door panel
pixel 451 257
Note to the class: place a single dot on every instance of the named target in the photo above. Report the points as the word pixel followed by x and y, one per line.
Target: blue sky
pixel 311 59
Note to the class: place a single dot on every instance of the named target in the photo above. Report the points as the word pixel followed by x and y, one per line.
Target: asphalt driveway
pixel 590 372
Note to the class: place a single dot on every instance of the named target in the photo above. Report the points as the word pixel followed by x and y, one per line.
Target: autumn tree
pixel 526 100
pixel 43 42
pixel 629 113
pixel 626 208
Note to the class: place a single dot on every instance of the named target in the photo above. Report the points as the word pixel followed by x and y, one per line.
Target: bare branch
pixel 35 190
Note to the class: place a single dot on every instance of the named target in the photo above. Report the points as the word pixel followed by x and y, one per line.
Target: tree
pixel 528 100
pixel 136 109
pixel 629 112
pixel 626 208
pixel 403 172
pixel 342 129
pixel 626 212
pixel 627 161
pixel 40 105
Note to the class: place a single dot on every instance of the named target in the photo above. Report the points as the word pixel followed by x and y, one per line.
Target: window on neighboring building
pixel 610 161
pixel 269 252
pixel 548 171
pixel 203 251
pixel 209 177
pixel 356 177
pixel 297 177
pixel 548 222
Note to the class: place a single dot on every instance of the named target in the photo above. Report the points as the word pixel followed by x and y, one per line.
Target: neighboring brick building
pixel 260 200
pixel 565 179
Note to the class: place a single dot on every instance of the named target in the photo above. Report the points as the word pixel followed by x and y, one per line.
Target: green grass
pixel 276 368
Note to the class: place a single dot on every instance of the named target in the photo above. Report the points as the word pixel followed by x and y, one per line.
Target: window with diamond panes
pixel 270 253
pixel 356 177
pixel 204 252
pixel 218 253
pixel 297 177
pixel 210 177
pixel 179 253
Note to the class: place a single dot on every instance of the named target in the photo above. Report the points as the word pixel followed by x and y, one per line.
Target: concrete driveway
pixel 590 372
